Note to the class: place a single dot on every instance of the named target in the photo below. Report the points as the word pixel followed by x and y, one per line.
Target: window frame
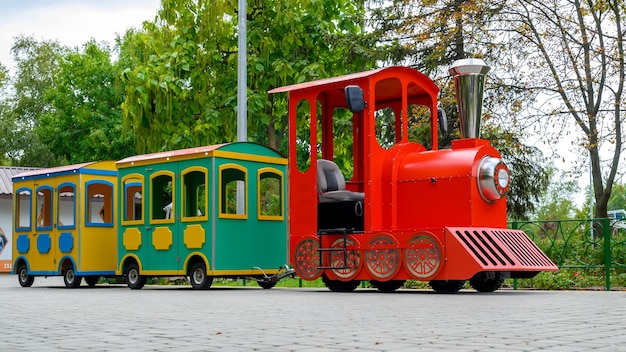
pixel 221 188
pixel 58 219
pixel 185 172
pixel 88 222
pixel 280 176
pixel 18 209
pixel 135 179
pixel 50 208
pixel 172 219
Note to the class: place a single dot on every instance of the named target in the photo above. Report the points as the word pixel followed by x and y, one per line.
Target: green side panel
pixel 243 244
pixel 229 244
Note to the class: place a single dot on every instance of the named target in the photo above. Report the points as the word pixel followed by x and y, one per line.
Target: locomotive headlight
pixel 493 179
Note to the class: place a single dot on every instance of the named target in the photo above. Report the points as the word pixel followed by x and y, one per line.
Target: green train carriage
pixel 214 211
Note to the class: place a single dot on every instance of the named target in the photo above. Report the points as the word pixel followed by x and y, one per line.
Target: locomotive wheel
pixel 487 281
pixel 387 286
pixel 133 279
pixel 383 262
pixel 69 277
pixel 198 277
pixel 423 257
pixel 307 259
pixel 340 286
pixel 23 277
pixel 91 280
pixel 352 262
pixel 446 286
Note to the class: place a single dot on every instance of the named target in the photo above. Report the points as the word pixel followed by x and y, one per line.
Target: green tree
pixel 5 116
pixel 618 197
pixel 572 56
pixel 557 203
pixel 37 64
pixel 83 122
pixel 181 91
pixel 530 175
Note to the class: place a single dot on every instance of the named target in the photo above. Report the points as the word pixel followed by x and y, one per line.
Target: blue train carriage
pixel 64 223
pixel 205 212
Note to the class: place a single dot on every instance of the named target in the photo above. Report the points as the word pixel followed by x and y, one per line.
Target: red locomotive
pixel 409 211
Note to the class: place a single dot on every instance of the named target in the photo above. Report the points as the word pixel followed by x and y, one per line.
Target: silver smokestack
pixel 469 81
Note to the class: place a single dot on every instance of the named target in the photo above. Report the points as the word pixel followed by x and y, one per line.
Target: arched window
pixel 270 194
pixel 195 197
pixel 233 180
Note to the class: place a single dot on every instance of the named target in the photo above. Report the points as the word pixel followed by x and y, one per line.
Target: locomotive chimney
pixel 469 81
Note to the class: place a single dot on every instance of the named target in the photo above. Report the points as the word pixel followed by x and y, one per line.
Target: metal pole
pixel 242 76
pixel 242 99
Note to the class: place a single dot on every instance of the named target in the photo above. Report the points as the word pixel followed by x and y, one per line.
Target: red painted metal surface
pixel 476 249
pixel 424 217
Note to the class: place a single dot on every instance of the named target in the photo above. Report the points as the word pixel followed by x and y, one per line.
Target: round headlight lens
pixel 493 179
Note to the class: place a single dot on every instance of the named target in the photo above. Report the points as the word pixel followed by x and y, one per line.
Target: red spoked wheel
pixel 349 264
pixel 423 256
pixel 383 258
pixel 306 259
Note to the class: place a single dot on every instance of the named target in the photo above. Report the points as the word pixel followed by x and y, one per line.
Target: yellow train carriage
pixel 64 223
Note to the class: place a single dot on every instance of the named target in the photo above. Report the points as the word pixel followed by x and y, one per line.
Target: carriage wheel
pixel 70 278
pixel 307 259
pixel 423 256
pixel 383 259
pixel 25 279
pixel 352 262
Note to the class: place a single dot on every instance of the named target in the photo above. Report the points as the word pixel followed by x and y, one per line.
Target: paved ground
pixel 49 317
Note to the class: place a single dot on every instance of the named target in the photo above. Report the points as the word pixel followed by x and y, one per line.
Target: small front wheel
pixel 198 277
pixel 69 277
pixel 25 279
pixel 133 279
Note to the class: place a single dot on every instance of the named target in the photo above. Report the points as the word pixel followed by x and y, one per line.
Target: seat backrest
pixel 329 177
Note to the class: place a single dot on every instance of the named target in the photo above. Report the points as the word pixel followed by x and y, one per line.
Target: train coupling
pixel 283 271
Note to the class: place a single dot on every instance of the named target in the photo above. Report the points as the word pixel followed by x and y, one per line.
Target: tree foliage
pixel 84 120
pixel 181 83
pixel 37 65
pixel 573 56
pixel 530 174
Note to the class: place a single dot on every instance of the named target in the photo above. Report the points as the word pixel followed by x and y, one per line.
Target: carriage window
pixel 162 196
pixel 233 191
pixel 99 203
pixel 194 193
pixel 44 207
pixel 133 199
pixel 23 207
pixel 67 206
pixel 270 194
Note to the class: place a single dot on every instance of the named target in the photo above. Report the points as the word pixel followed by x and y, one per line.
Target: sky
pixel 71 22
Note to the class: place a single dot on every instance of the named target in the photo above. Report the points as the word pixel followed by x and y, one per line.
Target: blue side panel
pixel 44 243
pixel 66 242
pixel 22 243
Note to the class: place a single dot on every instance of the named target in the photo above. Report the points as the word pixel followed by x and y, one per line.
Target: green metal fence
pixel 588 244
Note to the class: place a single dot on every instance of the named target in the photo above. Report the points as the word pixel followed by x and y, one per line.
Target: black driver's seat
pixel 331 184
pixel 338 208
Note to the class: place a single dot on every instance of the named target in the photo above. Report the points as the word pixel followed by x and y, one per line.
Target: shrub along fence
pixel 596 245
